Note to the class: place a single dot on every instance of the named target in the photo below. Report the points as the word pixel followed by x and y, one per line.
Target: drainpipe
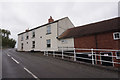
pixel 96 43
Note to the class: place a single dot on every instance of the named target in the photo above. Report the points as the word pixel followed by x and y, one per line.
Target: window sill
pixel 116 38
pixel 33 37
pixel 48 33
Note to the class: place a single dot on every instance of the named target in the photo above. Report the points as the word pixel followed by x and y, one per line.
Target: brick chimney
pixel 50 19
pixel 27 30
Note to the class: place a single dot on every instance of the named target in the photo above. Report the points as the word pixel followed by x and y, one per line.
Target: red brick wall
pixel 104 41
pixel 119 44
pixel 85 42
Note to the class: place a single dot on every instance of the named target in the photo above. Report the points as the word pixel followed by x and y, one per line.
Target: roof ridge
pixel 44 25
pixel 98 22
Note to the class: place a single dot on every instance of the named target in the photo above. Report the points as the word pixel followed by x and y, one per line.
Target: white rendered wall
pixel 63 25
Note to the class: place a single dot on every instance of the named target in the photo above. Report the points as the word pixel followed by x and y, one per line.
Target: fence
pixel 93 56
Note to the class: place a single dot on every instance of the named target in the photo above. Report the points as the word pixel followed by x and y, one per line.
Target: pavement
pixel 36 65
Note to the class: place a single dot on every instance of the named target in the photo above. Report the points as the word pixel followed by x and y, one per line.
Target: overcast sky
pixel 18 16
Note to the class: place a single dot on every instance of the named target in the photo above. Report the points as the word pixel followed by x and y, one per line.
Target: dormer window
pixel 116 35
pixel 48 29
pixel 27 37
pixel 33 34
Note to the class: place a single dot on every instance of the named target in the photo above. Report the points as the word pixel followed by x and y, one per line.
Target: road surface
pixel 36 65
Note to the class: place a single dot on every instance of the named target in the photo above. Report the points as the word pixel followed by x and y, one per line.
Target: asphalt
pixel 36 65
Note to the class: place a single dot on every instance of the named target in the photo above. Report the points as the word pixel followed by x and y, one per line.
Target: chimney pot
pixel 50 19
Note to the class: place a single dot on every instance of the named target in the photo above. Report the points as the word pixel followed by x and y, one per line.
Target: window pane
pixel 48 43
pixel 27 35
pixel 33 34
pixel 117 35
pixel 48 29
pixel 33 44
pixel 64 41
pixel 118 54
pixel 22 46
pixel 21 37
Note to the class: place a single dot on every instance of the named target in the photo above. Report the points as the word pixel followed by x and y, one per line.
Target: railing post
pixel 92 57
pixel 113 58
pixel 74 55
pixel 47 52
pixel 44 52
pixel 62 54
pixel 100 58
pixel 53 53
pixel 95 58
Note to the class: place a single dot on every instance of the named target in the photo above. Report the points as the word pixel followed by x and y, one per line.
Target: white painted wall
pixel 19 42
pixel 41 42
pixel 63 25
pixel 69 42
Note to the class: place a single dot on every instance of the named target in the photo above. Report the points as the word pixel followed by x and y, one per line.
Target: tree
pixel 0 32
pixel 3 32
pixel 6 41
pixel 8 33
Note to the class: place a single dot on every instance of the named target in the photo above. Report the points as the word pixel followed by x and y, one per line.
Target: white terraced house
pixel 45 37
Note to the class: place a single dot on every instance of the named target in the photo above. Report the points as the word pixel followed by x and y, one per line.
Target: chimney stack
pixel 27 30
pixel 50 19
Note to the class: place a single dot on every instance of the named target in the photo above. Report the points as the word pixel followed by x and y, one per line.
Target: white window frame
pixel 33 45
pixel 48 43
pixel 48 29
pixel 115 34
pixel 63 41
pixel 33 33
pixel 22 37
pixel 27 35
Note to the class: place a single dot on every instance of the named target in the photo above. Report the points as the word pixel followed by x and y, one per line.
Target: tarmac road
pixel 36 65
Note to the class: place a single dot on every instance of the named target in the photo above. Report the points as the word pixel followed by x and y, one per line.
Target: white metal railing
pixel 93 54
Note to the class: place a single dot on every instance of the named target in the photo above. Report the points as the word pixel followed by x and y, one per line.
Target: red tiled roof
pixel 94 28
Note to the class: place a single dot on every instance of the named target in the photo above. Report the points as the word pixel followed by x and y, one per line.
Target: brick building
pixel 100 35
pixel 104 34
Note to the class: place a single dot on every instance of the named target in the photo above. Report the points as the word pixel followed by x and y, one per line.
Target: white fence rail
pixel 93 55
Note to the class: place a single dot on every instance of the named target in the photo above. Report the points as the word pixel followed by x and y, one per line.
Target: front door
pixel 21 46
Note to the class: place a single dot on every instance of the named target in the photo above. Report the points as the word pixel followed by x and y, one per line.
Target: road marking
pixel 31 73
pixel 15 60
pixel 8 55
